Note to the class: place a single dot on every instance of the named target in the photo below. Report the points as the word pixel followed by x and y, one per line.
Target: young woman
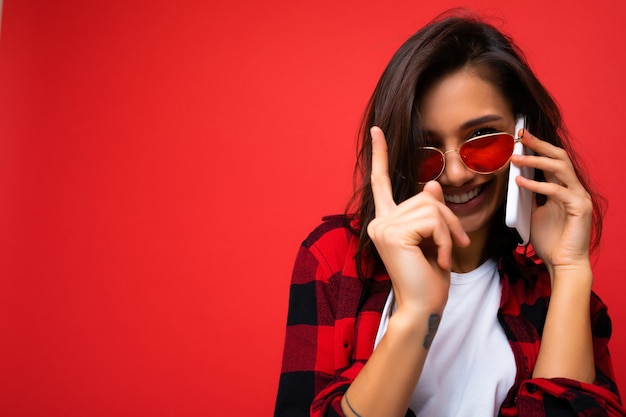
pixel 419 300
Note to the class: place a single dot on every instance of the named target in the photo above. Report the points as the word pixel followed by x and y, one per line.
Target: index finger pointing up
pixel 380 180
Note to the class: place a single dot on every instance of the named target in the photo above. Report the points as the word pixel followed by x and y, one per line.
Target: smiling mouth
pixel 464 197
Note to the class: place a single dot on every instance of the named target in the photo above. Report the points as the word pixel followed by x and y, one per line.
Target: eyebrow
pixel 470 123
pixel 483 119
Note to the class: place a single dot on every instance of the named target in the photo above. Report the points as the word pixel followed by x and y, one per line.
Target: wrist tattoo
pixel 433 324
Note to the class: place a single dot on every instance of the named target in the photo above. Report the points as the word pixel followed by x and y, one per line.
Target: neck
pixel 470 257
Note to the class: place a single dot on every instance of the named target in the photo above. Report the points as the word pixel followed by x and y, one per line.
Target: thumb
pixel 434 188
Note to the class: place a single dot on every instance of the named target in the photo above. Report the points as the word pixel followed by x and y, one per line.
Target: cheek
pixel 501 185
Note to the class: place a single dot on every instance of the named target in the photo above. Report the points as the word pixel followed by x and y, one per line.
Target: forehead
pixel 458 97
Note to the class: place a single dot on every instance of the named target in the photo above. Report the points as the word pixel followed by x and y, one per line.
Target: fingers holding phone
pixel 561 228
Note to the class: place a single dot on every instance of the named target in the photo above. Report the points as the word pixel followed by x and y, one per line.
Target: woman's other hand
pixel 414 238
pixel 561 228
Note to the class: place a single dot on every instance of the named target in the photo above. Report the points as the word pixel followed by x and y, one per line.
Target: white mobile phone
pixel 519 201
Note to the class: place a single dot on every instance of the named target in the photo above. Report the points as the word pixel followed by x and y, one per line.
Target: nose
pixel 455 172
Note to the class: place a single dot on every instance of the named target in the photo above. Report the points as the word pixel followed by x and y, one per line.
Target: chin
pixel 475 225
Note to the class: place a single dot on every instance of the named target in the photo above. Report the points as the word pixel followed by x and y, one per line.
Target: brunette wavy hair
pixel 454 40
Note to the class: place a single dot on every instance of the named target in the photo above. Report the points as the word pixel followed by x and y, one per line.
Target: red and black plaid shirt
pixel 333 320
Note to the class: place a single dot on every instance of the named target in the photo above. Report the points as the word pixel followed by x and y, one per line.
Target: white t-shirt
pixel 470 365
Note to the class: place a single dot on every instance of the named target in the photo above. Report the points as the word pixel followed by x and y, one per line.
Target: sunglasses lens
pixel 487 154
pixel 430 163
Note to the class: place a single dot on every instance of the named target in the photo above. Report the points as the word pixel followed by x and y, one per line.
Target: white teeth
pixel 462 198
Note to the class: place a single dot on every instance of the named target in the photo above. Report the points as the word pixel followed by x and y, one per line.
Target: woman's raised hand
pixel 414 238
pixel 561 228
pixel 560 234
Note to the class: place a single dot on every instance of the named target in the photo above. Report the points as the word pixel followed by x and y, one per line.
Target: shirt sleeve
pixel 317 367
pixel 559 397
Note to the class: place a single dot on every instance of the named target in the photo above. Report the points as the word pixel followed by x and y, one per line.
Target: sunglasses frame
pixel 443 154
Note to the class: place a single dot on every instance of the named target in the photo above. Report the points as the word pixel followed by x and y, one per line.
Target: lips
pixel 462 198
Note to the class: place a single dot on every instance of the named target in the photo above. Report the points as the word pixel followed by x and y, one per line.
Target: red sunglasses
pixel 482 154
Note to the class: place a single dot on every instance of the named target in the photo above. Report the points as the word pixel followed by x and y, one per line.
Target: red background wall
pixel 161 161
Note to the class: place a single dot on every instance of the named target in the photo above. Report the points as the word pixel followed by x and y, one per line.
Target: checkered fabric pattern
pixel 334 317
